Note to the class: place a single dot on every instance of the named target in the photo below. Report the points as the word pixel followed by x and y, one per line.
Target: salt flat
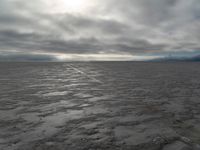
pixel 101 105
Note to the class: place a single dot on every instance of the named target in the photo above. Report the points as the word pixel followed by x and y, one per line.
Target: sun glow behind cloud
pixel 72 6
pixel 102 57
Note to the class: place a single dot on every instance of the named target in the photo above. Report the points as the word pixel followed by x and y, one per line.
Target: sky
pixel 103 30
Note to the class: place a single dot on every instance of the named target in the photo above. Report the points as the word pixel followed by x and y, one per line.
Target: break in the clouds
pixel 61 30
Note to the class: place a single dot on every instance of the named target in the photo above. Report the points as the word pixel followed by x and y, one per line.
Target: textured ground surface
pixel 99 106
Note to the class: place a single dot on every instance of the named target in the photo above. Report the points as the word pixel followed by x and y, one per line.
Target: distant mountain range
pixel 176 58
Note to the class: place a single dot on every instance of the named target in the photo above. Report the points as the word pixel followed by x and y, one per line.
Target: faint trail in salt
pixel 81 72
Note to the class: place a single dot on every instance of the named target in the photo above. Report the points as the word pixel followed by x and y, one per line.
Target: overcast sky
pixel 62 30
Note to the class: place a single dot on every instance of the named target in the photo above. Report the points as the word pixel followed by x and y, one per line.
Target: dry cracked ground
pixel 100 106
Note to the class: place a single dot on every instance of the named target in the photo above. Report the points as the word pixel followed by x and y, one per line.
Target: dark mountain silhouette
pixel 176 58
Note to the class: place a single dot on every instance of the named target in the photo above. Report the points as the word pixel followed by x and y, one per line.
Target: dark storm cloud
pixel 130 26
pixel 30 41
pixel 138 48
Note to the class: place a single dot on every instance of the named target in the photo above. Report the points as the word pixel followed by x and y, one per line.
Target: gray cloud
pixel 123 26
